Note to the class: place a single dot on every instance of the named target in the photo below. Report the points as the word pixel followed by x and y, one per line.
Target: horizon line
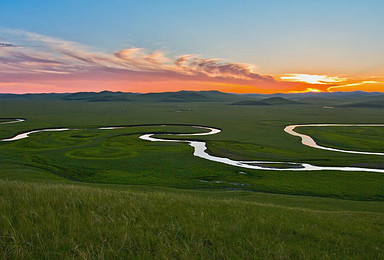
pixel 251 93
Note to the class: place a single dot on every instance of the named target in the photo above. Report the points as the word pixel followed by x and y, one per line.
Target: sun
pixel 311 79
pixel 306 90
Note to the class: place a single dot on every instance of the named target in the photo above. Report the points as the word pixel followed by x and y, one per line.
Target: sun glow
pixel 306 90
pixel 353 84
pixel 311 79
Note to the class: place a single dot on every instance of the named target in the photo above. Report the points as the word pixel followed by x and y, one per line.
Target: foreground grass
pixel 72 221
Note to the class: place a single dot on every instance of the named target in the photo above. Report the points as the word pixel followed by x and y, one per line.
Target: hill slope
pixel 103 96
pixel 190 96
pixel 267 102
pixel 82 222
pixel 356 98
pixel 373 102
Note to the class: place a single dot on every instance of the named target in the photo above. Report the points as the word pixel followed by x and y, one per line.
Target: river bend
pixel 200 148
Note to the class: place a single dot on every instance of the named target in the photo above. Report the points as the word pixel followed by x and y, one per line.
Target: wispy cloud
pixel 42 54
pixel 7 45
pixel 218 68
pixel 364 82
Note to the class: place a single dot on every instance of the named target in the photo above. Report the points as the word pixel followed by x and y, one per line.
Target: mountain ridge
pixel 342 99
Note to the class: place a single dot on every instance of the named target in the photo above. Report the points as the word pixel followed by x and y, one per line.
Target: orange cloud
pixel 331 83
pixel 367 85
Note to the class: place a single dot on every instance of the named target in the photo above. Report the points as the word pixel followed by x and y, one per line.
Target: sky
pixel 259 46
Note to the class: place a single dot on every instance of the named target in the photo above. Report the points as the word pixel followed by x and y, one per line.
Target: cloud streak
pixel 364 82
pixel 218 68
pixel 7 45
pixel 43 54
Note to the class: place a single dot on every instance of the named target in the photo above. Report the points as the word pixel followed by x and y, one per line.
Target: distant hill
pixel 190 96
pixel 103 96
pixel 251 103
pixel 43 96
pixel 181 96
pixel 346 99
pixel 336 94
pixel 371 101
pixel 279 101
pixel 109 96
pixel 267 102
pixel 365 104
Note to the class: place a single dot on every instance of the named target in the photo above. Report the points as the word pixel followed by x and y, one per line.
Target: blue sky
pixel 279 37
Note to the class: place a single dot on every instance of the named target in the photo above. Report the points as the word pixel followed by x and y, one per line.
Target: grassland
pixel 88 222
pixel 109 194
pixel 119 157
pixel 368 139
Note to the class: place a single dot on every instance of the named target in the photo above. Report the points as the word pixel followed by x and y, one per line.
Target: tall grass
pixel 66 221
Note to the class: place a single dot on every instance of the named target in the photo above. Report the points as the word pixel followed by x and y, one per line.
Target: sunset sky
pixel 243 46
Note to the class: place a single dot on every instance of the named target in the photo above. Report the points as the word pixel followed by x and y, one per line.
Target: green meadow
pixel 369 139
pixel 84 222
pixel 90 193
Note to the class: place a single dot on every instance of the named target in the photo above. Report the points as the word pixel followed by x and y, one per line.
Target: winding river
pixel 307 140
pixel 200 148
